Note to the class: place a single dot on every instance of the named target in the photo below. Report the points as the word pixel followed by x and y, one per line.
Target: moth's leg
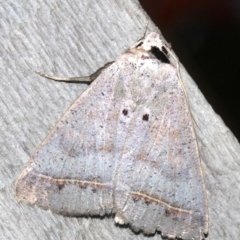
pixel 86 79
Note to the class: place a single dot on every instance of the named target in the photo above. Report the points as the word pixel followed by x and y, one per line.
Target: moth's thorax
pixel 153 39
pixel 152 47
pixel 147 64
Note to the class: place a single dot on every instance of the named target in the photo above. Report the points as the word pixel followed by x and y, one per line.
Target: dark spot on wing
pixel 60 186
pixel 167 212
pixel 125 112
pixel 159 55
pixel 147 202
pixel 145 117
pixel 135 199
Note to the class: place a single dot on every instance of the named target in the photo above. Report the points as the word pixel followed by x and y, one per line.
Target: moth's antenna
pixel 182 85
pixel 142 36
pixel 185 93
pixel 144 31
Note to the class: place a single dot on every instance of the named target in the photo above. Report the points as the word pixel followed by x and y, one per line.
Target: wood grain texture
pixel 74 39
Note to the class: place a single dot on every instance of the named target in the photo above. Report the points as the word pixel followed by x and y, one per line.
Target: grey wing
pixel 159 183
pixel 126 145
pixel 72 171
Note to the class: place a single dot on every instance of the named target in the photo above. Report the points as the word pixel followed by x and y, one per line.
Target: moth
pixel 126 146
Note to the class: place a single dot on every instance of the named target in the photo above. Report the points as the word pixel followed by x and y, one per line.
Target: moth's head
pixel 153 46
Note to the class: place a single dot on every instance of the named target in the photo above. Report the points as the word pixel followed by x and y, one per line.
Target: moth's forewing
pixel 127 145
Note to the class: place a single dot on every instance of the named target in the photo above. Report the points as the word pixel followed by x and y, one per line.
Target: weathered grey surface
pixel 71 39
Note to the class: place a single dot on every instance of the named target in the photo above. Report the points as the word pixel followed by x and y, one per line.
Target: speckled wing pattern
pixel 126 146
